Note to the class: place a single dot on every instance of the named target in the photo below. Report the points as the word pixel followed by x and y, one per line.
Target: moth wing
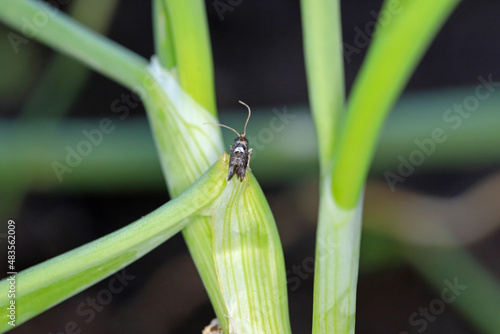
pixel 230 172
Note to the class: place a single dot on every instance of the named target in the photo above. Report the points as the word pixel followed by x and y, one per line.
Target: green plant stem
pixel 395 52
pixel 183 45
pixel 325 72
pixel 338 233
pixel 177 113
pixel 48 283
pixel 336 265
pixel 187 147
pixel 188 30
pixel 164 43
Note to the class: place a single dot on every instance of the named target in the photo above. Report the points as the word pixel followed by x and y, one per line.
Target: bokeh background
pixel 438 226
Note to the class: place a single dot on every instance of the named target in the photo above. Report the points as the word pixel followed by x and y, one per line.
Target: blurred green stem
pixel 64 77
pixel 476 293
pixel 75 40
pixel 60 85
pixel 414 117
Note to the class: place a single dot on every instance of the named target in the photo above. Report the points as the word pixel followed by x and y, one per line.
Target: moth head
pixel 242 140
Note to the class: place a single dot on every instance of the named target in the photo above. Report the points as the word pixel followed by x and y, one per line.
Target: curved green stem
pixel 49 283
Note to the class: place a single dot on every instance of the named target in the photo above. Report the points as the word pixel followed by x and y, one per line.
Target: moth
pixel 240 153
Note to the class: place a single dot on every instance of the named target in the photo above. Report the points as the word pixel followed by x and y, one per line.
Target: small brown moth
pixel 240 153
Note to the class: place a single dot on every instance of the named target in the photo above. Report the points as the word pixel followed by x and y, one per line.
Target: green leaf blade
pixel 393 56
pixel 249 260
pixel 188 27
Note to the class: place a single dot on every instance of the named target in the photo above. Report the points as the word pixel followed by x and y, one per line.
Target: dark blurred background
pixel 439 225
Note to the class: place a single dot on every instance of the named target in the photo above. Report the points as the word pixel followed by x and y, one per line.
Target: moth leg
pixel 241 173
pixel 249 154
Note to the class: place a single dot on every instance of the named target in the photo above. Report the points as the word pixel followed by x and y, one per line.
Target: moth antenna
pixel 249 114
pixel 228 127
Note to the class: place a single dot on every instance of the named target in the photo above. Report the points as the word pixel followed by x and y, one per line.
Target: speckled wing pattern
pixel 239 158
